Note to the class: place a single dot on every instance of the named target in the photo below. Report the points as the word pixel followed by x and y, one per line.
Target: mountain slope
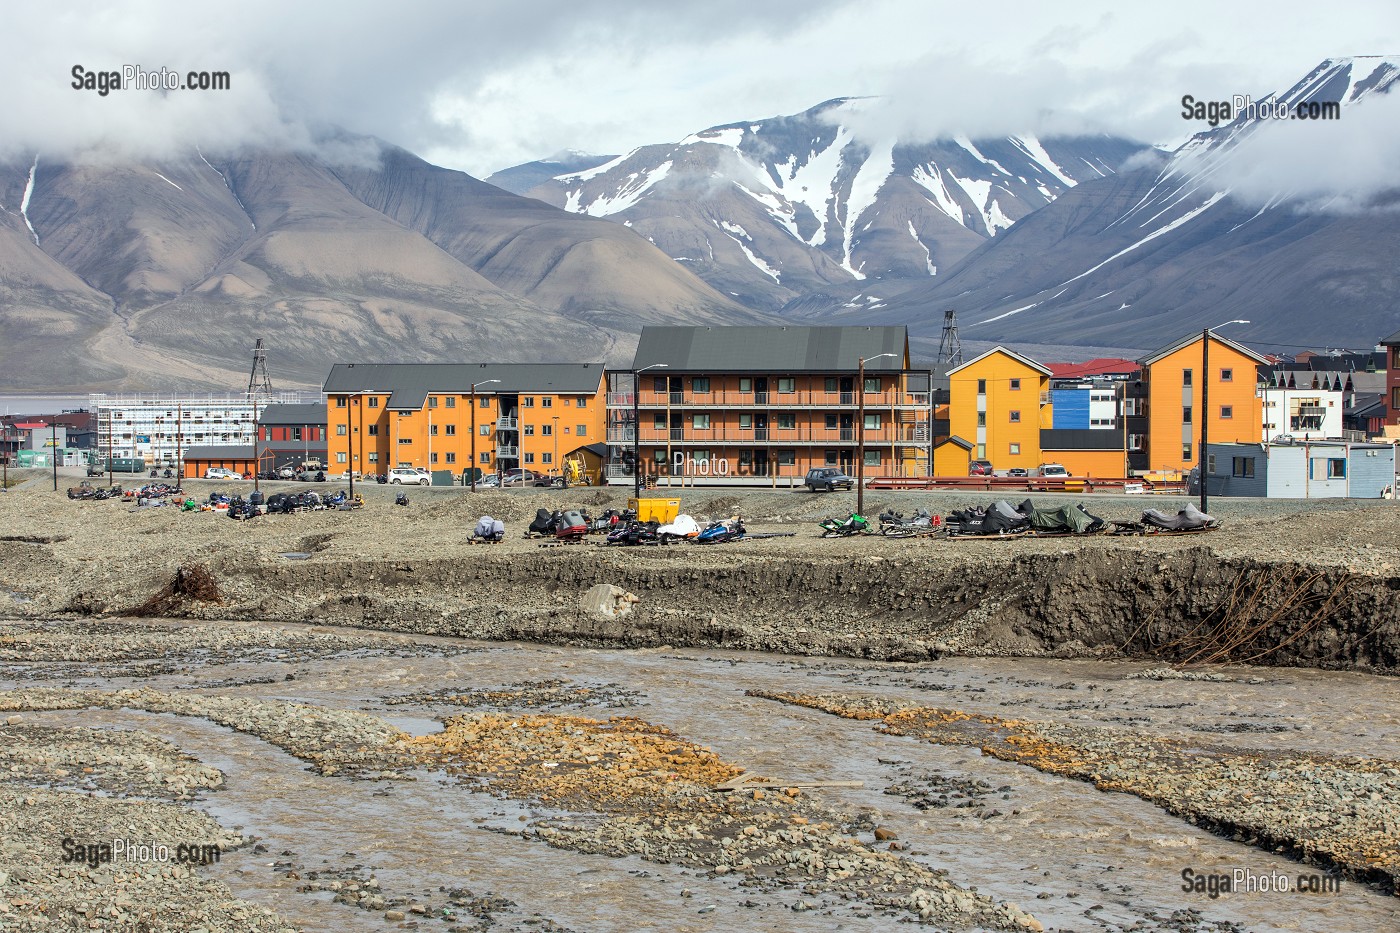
pixel 1142 257
pixel 804 210
pixel 161 275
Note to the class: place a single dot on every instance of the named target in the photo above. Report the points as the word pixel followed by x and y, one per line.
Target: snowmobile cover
pixel 571 523
pixel 1002 517
pixel 683 527
pixel 1188 519
pixel 1067 519
pixel 542 522
pixel 488 527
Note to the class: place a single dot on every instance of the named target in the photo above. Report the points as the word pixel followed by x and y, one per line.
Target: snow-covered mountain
pixel 1211 234
pixel 804 212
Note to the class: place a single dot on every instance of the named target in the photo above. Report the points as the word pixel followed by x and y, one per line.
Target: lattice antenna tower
pixel 950 347
pixel 259 382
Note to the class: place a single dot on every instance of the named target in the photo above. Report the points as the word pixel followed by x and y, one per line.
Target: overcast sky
pixel 481 86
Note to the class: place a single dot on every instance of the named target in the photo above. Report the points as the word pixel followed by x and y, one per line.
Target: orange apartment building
pixel 765 402
pixel 1172 382
pixel 998 404
pixel 530 415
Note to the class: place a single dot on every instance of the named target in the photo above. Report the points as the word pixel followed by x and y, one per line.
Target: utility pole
pixel 637 424
pixel 53 450
pixel 949 346
pixel 257 464
pixel 1202 461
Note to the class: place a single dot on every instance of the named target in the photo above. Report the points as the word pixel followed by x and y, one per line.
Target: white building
pixel 158 428
pixel 1301 413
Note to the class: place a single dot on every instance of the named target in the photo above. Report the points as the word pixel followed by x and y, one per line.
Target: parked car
pixel 827 479
pixel 221 473
pixel 521 477
pixel 1052 470
pixel 1018 472
pixel 489 481
pixel 286 473
pixel 401 475
pixel 979 468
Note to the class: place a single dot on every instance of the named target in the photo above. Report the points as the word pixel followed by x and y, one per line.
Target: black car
pixel 826 479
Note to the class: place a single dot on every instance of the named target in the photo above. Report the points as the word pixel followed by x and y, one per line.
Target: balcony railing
pixel 507 424
pixel 621 434
pixel 806 398
pixel 507 453
pixel 802 434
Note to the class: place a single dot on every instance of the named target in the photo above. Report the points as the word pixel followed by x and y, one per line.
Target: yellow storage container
pixel 655 510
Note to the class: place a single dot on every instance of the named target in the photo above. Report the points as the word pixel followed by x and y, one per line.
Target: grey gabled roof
pixel 772 349
pixel 298 414
pixel 1191 338
pixel 409 384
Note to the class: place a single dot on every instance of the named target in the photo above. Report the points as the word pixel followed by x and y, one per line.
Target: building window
pixel 450 430
pixel 745 385
pixel 981 419
pixel 1210 464
pixel 981 452
pixel 373 456
pixel 1227 411
pixel 483 402
pixel 451 457
pixel 659 422
pixel 546 429
pixel 700 422
pixel 1186 451
pixel 830 383
pixel 529 430
pixel 1186 416
pixel 1015 385
pixel 700 384
pixel 546 457
pixel 1015 417
pixel 432 401
pixel 374 430
pixel 831 459
pixel 1186 377
pixel 341 430
pixel 787 385
pixel 547 401
pixel 485 430
pixel 527 402
pixel 1242 467
pixel 872 383
pixel 746 422
pixel 1014 450
pixel 529 458
pixel 1227 375
pixel 433 457
pixel 339 403
pixel 486 457
pixel 831 422
pixel 787 457
pixel 981 387
pixel 872 422
pixel 340 457
pixel 659 383
pixel 451 402
pixel 432 430
pixel 581 402
pixel 405 440
pixel 581 431
pixel 787 422
pixel 872 458
pixel 1336 468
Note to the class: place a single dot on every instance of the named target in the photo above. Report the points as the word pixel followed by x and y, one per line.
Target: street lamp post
pixel 1205 404
pixel 53 451
pixel 860 436
pixel 472 471
pixel 637 426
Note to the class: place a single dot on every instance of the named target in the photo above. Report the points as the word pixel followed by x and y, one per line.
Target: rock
pixel 885 834
pixel 609 601
pixel 393 916
pixel 14 720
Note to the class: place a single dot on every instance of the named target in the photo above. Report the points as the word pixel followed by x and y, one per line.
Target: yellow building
pixel 998 403
pixel 529 415
pixel 1173 381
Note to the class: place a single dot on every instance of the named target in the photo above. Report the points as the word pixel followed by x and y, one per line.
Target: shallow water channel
pixel 1074 857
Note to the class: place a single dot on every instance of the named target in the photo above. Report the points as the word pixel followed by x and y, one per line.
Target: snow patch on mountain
pixel 24 200
pixel 871 177
pixel 631 191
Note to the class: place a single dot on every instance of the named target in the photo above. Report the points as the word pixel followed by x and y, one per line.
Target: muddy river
pixel 1074 857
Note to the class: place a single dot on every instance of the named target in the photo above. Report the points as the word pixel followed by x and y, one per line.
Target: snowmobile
pixel 852 524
